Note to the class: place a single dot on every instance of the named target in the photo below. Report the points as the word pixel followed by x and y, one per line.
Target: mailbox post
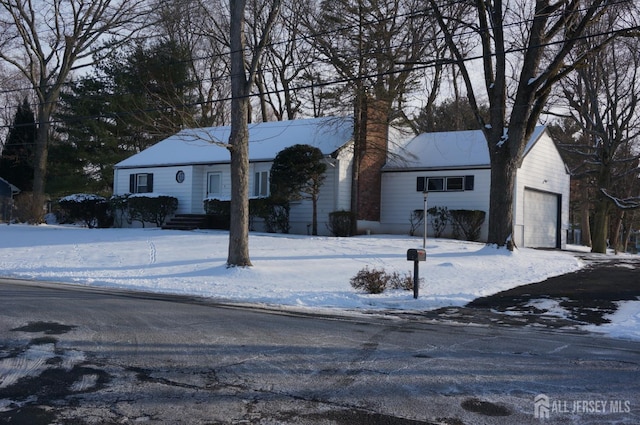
pixel 416 255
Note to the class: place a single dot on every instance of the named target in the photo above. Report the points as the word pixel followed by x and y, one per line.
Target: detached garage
pixel 541 198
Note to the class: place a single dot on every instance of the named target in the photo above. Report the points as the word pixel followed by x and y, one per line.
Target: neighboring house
pixel 7 192
pixel 454 168
pixel 193 165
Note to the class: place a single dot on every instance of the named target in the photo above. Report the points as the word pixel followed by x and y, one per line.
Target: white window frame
pixel 261 184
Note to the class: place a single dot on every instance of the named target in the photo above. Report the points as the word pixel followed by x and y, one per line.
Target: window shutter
pixel 469 182
pixel 150 182
pixel 420 184
pixel 132 183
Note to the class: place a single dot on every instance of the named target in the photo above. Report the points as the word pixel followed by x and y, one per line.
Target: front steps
pixel 186 222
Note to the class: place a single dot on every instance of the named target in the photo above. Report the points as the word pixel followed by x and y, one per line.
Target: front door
pixel 214 185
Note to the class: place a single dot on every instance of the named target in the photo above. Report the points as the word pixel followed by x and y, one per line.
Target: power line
pixel 343 80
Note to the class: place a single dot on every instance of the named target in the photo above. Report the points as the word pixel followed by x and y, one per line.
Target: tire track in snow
pixel 30 363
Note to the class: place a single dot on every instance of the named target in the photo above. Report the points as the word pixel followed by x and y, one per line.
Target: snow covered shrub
pixel 469 222
pixel 151 209
pixel 340 223
pixel 92 210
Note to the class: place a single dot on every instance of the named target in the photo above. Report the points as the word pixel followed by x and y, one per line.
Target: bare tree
pixel 44 40
pixel 373 47
pixel 198 26
pixel 525 51
pixel 242 77
pixel 287 57
pixel 603 98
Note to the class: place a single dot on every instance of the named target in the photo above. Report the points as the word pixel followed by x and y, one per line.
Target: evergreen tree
pixel 297 173
pixel 132 101
pixel 16 162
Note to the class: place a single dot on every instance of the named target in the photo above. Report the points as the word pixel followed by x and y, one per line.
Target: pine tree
pixel 16 162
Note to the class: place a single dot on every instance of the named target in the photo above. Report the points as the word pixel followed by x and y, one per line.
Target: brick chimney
pixel 373 156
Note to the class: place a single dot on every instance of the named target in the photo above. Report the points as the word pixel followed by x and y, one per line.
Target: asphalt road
pixel 72 355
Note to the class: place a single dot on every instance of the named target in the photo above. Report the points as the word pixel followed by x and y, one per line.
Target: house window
pixel 261 184
pixel 141 183
pixel 455 184
pixel 435 184
pixel 445 184
pixel 214 184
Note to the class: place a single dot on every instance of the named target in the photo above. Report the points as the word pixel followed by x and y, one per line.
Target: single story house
pixel 193 165
pixel 455 170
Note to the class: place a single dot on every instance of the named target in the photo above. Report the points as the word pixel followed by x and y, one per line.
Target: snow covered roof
pixel 206 145
pixel 452 149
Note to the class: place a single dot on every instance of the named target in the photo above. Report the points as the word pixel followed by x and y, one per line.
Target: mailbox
pixel 416 255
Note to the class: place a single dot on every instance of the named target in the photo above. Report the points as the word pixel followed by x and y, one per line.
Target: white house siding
pixel 343 166
pixel 544 171
pixel 164 182
pixel 400 197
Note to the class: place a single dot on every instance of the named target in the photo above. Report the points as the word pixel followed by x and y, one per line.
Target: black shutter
pixel 132 183
pixel 420 182
pixel 468 182
pixel 150 182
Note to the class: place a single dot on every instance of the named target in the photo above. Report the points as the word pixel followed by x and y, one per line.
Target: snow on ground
pixel 292 271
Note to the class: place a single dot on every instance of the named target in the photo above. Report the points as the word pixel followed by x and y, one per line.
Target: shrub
pixel 119 209
pixel 23 208
pixel 371 281
pixel 152 209
pixel 469 222
pixel 440 216
pixel 277 218
pixel 219 213
pixel 416 220
pixel 90 209
pixel 405 282
pixel 341 223
pixel 377 281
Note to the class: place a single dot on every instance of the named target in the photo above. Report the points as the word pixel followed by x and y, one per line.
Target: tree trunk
pixel 614 240
pixel 239 144
pixel 600 225
pixel 585 214
pixel 503 177
pixel 40 165
pixel 314 219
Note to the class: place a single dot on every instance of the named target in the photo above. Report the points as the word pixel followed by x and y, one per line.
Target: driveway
pixel 584 297
pixel 72 355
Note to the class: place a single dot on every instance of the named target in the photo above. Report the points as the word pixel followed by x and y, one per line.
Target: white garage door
pixel 540 219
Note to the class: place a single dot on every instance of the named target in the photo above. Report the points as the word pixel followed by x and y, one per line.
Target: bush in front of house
pixel 276 218
pixel 151 209
pixel 467 223
pixel 218 213
pixel 440 216
pixel 341 223
pixel 374 281
pixel 92 210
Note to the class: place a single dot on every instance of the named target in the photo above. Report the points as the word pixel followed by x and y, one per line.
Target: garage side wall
pixel 542 171
pixel 400 197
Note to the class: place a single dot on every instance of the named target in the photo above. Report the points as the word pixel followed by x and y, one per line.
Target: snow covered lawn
pixel 289 270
